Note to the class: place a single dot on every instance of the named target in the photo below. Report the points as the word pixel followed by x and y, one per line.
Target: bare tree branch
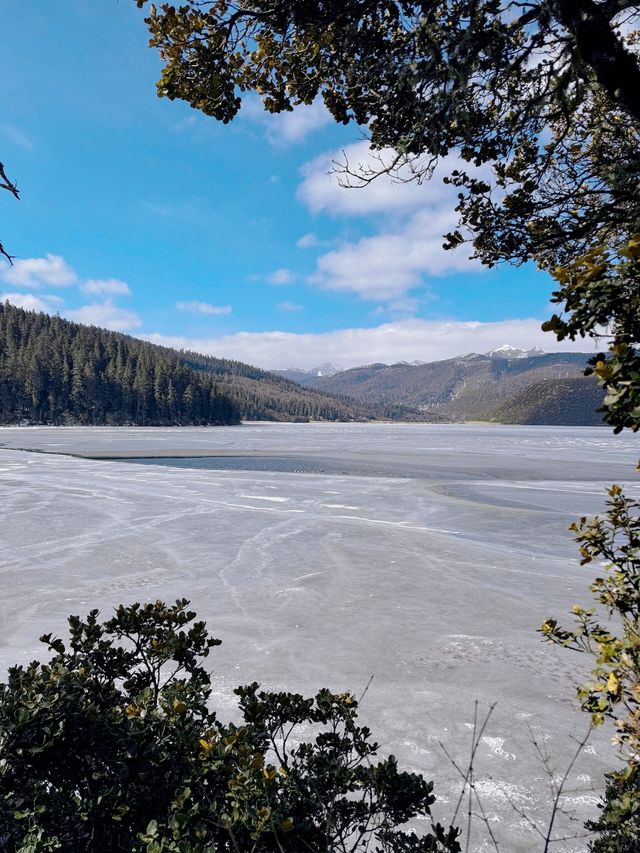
pixel 6 184
pixel 11 187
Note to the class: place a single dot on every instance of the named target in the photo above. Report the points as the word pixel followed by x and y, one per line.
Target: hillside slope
pixel 55 371
pixel 566 402
pixel 462 388
pixel 262 395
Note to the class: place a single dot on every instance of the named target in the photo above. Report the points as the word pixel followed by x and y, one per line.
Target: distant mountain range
pixel 309 375
pixel 55 371
pixel 507 384
pixel 305 376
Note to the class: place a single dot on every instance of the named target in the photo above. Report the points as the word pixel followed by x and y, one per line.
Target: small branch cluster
pixel 12 187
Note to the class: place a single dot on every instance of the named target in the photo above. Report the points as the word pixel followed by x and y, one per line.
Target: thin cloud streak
pixel 289 306
pixel 106 286
pixel 18 137
pixel 205 308
pixel 307 241
pixel 280 276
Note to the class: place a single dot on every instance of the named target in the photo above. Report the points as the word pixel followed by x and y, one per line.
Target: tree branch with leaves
pixel 538 99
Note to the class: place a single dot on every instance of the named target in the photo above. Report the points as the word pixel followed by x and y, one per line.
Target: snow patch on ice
pixel 495 744
pixel 339 506
pixel 310 575
pixel 503 792
pixel 266 498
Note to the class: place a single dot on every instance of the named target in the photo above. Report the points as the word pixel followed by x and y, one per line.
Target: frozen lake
pixel 320 554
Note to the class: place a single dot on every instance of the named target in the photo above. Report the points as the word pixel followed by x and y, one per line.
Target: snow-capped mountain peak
pixel 507 351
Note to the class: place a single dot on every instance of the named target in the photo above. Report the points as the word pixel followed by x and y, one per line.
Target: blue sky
pixel 142 215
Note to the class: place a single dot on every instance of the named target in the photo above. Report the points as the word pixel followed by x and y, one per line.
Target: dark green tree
pixel 112 746
pixel 53 371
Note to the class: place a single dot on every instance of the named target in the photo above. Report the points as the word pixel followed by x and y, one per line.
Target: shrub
pixel 111 745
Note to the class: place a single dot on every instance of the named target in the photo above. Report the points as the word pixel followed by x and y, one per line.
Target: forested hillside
pixel 262 395
pixel 570 402
pixel 55 371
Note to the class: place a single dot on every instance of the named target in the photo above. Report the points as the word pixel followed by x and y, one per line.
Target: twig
pixel 559 788
pixel 6 254
pixel 6 184
pixel 468 778
pixel 366 689
pixel 556 788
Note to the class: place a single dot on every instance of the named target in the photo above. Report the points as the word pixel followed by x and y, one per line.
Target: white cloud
pixel 281 276
pixel 33 272
pixel 289 306
pixel 412 219
pixel 106 285
pixel 391 263
pixel 405 340
pixel 53 270
pixel 105 314
pixel 307 241
pixel 195 307
pixel 31 302
pixel 288 128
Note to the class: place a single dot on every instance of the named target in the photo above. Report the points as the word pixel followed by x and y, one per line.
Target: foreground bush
pixel 112 746
pixel 614 691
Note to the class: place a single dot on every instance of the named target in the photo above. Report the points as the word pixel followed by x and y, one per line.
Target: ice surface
pixel 429 562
